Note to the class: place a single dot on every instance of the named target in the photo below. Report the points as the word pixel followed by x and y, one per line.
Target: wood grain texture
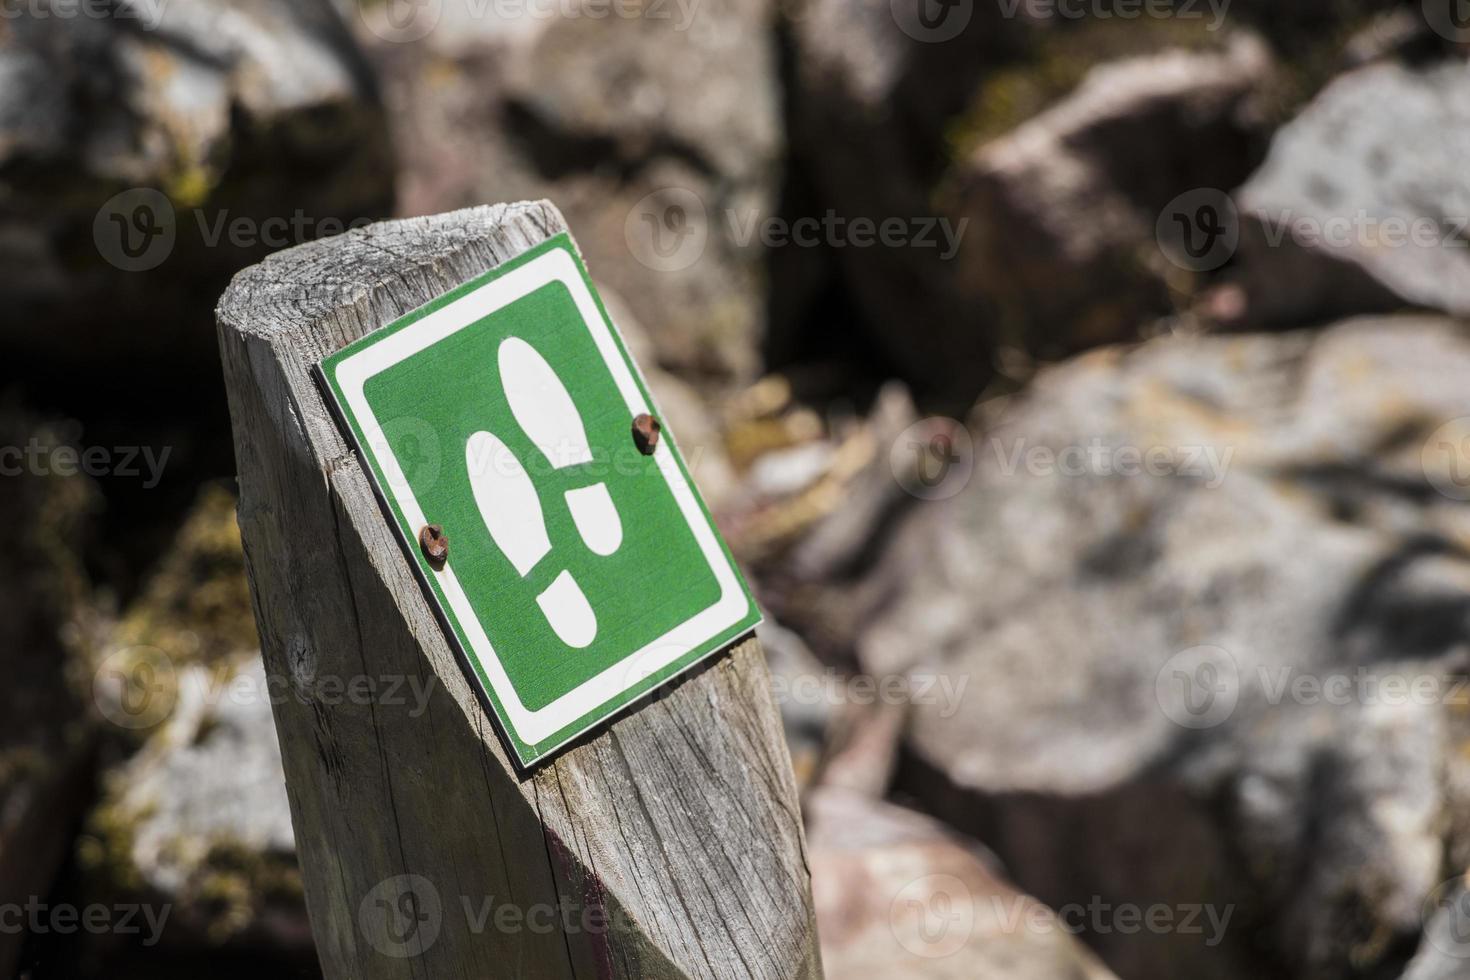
pixel 671 839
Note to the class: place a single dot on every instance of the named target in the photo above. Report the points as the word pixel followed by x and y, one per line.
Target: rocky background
pixel 1083 384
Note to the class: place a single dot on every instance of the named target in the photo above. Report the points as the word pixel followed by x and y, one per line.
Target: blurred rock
pixel 1308 19
pixel 1363 203
pixel 783 472
pixel 898 896
pixel 198 821
pixel 862 750
pixel 796 678
pixel 46 735
pixel 195 606
pixel 1399 33
pixel 132 144
pixel 654 128
pixel 194 814
pixel 1445 948
pixel 873 88
pixel 1211 599
pixel 1063 210
pixel 813 555
pixel 684 411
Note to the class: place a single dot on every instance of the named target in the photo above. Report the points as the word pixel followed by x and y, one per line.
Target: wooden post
pixel 667 844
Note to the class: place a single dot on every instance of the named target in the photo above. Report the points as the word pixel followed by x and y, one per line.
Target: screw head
pixel 435 544
pixel 645 433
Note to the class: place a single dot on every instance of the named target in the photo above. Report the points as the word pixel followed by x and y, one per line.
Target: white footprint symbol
pixel 509 503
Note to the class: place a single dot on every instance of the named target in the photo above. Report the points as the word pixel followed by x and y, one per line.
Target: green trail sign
pixel 582 569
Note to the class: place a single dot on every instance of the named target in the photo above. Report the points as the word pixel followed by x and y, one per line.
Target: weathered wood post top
pixel 469 596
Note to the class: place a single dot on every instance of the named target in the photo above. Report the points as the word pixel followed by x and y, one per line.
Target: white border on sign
pixel 353 373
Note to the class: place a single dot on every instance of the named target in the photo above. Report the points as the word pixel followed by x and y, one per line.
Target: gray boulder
pixel 197 822
pixel 1444 952
pixel 148 154
pixel 1363 202
pixel 897 895
pixel 1209 596
pixel 655 128
pixel 193 814
pixel 1064 210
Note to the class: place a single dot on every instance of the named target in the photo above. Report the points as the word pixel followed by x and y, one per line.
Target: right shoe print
pixel 509 502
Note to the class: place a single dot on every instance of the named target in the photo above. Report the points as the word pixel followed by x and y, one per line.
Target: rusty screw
pixel 435 544
pixel 645 433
